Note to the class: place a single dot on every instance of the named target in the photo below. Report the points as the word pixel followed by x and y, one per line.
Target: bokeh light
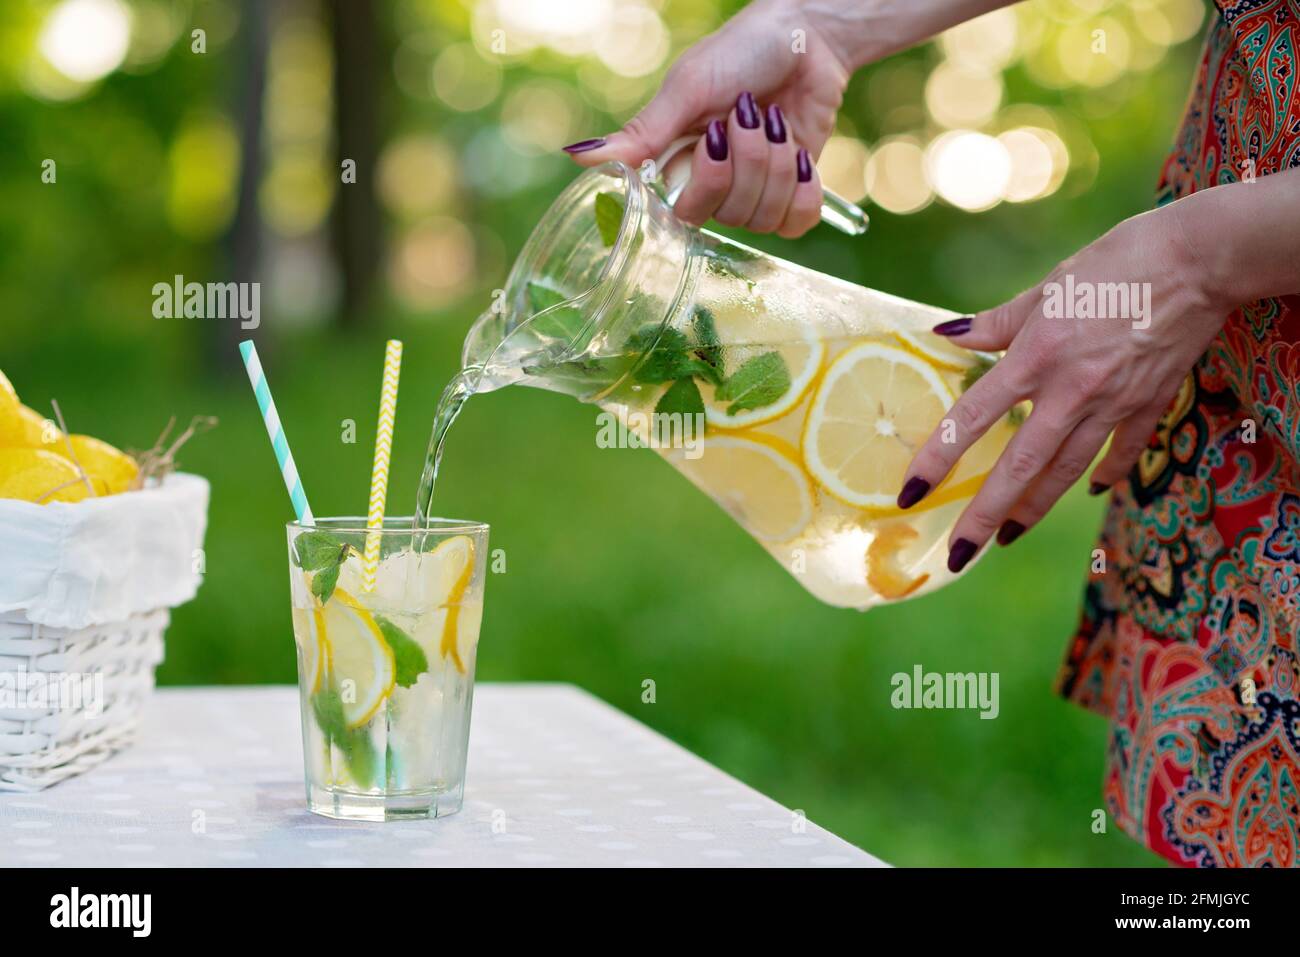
pixel 540 116
pixel 433 263
pixel 968 169
pixel 1039 162
pixel 203 171
pixel 986 44
pixel 464 79
pixel 843 166
pixel 895 176
pixel 86 40
pixel 961 96
pixel 417 175
pixel 634 41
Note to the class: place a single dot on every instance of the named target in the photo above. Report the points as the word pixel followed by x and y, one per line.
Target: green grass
pixel 617 571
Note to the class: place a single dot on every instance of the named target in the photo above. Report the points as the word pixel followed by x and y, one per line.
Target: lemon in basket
pixel 111 470
pixel 37 475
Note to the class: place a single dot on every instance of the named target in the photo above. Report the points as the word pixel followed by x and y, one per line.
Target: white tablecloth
pixel 556 778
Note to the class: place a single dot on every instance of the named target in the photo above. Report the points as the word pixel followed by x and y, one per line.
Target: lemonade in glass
pixel 386 675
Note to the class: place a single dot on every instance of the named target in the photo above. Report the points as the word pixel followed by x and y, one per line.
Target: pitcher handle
pixel 848 218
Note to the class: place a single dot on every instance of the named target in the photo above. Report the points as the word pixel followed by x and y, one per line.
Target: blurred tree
pixel 356 227
pixel 244 240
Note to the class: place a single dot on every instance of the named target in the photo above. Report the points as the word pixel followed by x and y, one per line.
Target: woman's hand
pixel 764 90
pixel 1085 376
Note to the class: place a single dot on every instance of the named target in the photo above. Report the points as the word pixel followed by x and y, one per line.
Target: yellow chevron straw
pixel 383 454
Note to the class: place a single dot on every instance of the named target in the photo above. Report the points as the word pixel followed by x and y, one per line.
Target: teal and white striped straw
pixel 273 429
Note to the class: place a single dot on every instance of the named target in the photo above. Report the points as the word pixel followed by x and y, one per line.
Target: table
pixel 556 778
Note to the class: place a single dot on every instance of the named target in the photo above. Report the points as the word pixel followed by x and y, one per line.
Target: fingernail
pixel 1009 532
pixel 954 327
pixel 913 491
pixel 715 141
pixel 775 125
pixel 959 556
pixel 803 164
pixel 1096 488
pixel 747 111
pixel 583 146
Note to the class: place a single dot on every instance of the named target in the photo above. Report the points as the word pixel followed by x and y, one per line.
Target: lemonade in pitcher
pixel 799 399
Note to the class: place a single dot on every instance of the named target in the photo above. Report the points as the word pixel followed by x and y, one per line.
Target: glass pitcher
pixel 793 399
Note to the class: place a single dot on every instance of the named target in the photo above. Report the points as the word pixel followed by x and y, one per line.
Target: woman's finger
pixel 1132 436
pixel 970 417
pixel 749 149
pixel 778 190
pixel 1017 468
pixel 710 177
pixel 993 328
pixel 805 210
pixel 1070 462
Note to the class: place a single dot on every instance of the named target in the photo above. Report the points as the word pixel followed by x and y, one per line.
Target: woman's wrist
pixel 861 32
pixel 1244 238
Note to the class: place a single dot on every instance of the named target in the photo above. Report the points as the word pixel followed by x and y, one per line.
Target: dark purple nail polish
pixel 1096 488
pixel 954 327
pixel 583 146
pixel 747 111
pixel 914 490
pixel 803 164
pixel 1010 531
pixel 775 124
pixel 715 141
pixel 959 556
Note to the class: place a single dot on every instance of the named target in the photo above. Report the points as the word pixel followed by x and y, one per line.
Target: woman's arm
pixel 1246 236
pixel 864 31
pixel 762 92
pixel 1182 268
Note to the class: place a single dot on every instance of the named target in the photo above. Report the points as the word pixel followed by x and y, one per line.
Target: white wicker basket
pixel 81 696
pixel 85 593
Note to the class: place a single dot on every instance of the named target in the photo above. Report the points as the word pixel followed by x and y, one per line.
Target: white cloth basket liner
pixel 85 593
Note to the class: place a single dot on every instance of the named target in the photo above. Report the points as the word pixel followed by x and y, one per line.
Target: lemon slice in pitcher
pixel 358 654
pixel 774 352
pixel 936 350
pixel 876 406
pixel 757 480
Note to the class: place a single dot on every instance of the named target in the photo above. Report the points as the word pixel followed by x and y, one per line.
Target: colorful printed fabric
pixel 1188 637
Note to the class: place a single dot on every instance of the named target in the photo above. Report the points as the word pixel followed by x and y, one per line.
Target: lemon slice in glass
pixel 757 479
pixel 876 406
pixel 307 629
pixel 444 575
pixel 360 661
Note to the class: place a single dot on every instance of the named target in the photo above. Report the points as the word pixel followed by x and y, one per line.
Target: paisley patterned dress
pixel 1188 637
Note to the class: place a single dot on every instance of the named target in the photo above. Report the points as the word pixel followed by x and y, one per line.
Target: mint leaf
pixel 609 216
pixel 408 656
pixel 976 372
pixel 563 324
pixel 355 743
pixel 758 382
pixel 315 550
pixel 683 396
pixel 665 360
pixel 708 349
pixel 325 581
